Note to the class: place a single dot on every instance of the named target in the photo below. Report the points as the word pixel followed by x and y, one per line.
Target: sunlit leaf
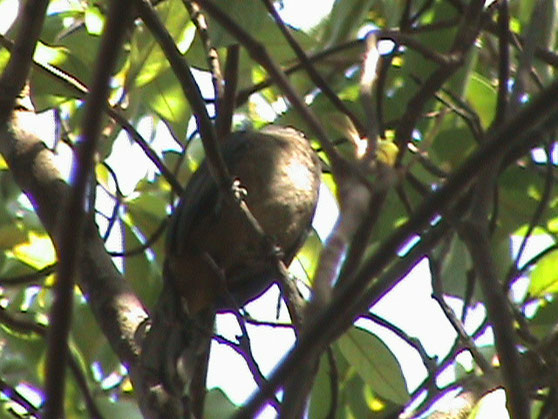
pixel 37 252
pixel 94 20
pixel 147 60
pixel 544 278
pixel 309 255
pixel 165 97
pixel 48 90
pixel 375 363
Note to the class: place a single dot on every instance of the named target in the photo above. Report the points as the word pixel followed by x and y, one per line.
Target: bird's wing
pixel 200 198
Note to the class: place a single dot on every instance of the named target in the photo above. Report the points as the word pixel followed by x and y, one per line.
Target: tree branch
pixel 117 309
pixel 30 21
pixel 71 230
pixel 542 113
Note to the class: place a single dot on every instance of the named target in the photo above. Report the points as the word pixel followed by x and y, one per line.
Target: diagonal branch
pixel 316 77
pixel 117 309
pixel 541 113
pixel 464 40
pixel 14 76
pixel 81 91
pixel 259 54
pixel 70 233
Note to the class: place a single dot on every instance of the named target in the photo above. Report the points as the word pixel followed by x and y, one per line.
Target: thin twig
pixel 191 91
pixel 157 234
pixel 27 279
pixel 212 55
pixel 243 348
pixel 316 77
pixel 27 327
pixel 351 300
pixel 467 341
pixel 429 383
pixel 501 318
pixel 503 62
pixel 223 124
pixel 325 54
pixel 413 342
pixel 463 41
pixel 117 199
pixel 535 218
pixel 475 233
pixel 258 52
pixel 81 91
pixel 17 397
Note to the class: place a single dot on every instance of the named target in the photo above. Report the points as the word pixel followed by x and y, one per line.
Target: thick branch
pixel 117 309
pixel 30 21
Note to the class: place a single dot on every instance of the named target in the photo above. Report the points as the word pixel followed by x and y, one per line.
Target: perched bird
pixel 215 261
pixel 212 258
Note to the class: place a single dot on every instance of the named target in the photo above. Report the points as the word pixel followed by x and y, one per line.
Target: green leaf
pixel 344 20
pixel 87 337
pixel 141 270
pixel 165 97
pixel 483 96
pixel 147 60
pixel 57 23
pixel 544 320
pixel 47 90
pixel 544 278
pixel 11 235
pixel 84 47
pixel 451 147
pixel 321 398
pixel 309 255
pixel 120 409
pixel 250 15
pixel 456 262
pixel 4 58
pixel 520 193
pixel 355 399
pixel 375 363
pixel 392 216
pixel 21 357
pixel 218 405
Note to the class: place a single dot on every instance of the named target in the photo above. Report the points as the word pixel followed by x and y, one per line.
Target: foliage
pixel 440 99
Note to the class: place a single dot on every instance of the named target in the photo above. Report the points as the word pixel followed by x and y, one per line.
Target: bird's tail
pixel 176 350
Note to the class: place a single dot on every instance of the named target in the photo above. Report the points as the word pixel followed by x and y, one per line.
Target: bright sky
pixel 8 12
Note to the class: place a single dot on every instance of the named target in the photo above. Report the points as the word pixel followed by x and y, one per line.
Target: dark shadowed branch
pixel 70 234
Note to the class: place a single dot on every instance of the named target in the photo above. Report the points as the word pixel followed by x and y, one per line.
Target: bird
pixel 207 241
pixel 214 262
